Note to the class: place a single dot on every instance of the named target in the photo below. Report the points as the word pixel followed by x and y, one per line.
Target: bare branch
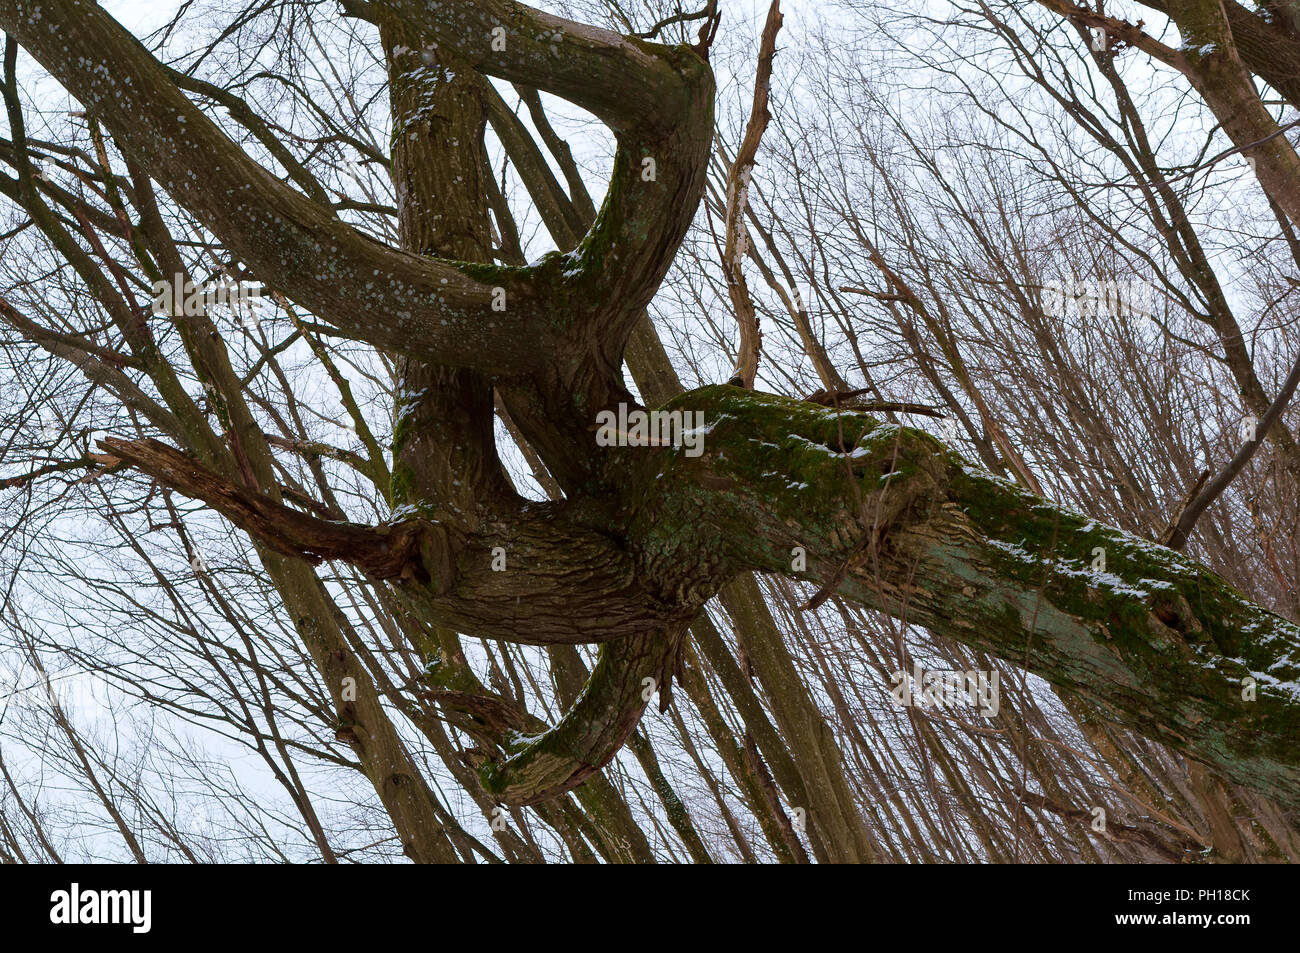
pixel 737 238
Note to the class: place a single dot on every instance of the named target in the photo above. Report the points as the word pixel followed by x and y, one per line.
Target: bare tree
pixel 417 599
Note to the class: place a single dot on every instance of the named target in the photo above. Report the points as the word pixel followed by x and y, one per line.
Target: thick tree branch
pixel 414 547
pixel 541 763
pixel 629 84
pixel 1158 643
pixel 537 576
pixel 659 102
pixel 1269 46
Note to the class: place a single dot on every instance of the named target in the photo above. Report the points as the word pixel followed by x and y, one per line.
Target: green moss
pixel 455 678
pixel 491 274
pixel 1062 545
pixel 490 777
pixel 783 463
pixel 1157 610
pixel 402 480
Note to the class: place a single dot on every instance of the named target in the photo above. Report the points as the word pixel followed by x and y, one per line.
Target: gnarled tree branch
pixel 364 289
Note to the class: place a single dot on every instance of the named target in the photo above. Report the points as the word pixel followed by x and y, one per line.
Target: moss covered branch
pixel 893 519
